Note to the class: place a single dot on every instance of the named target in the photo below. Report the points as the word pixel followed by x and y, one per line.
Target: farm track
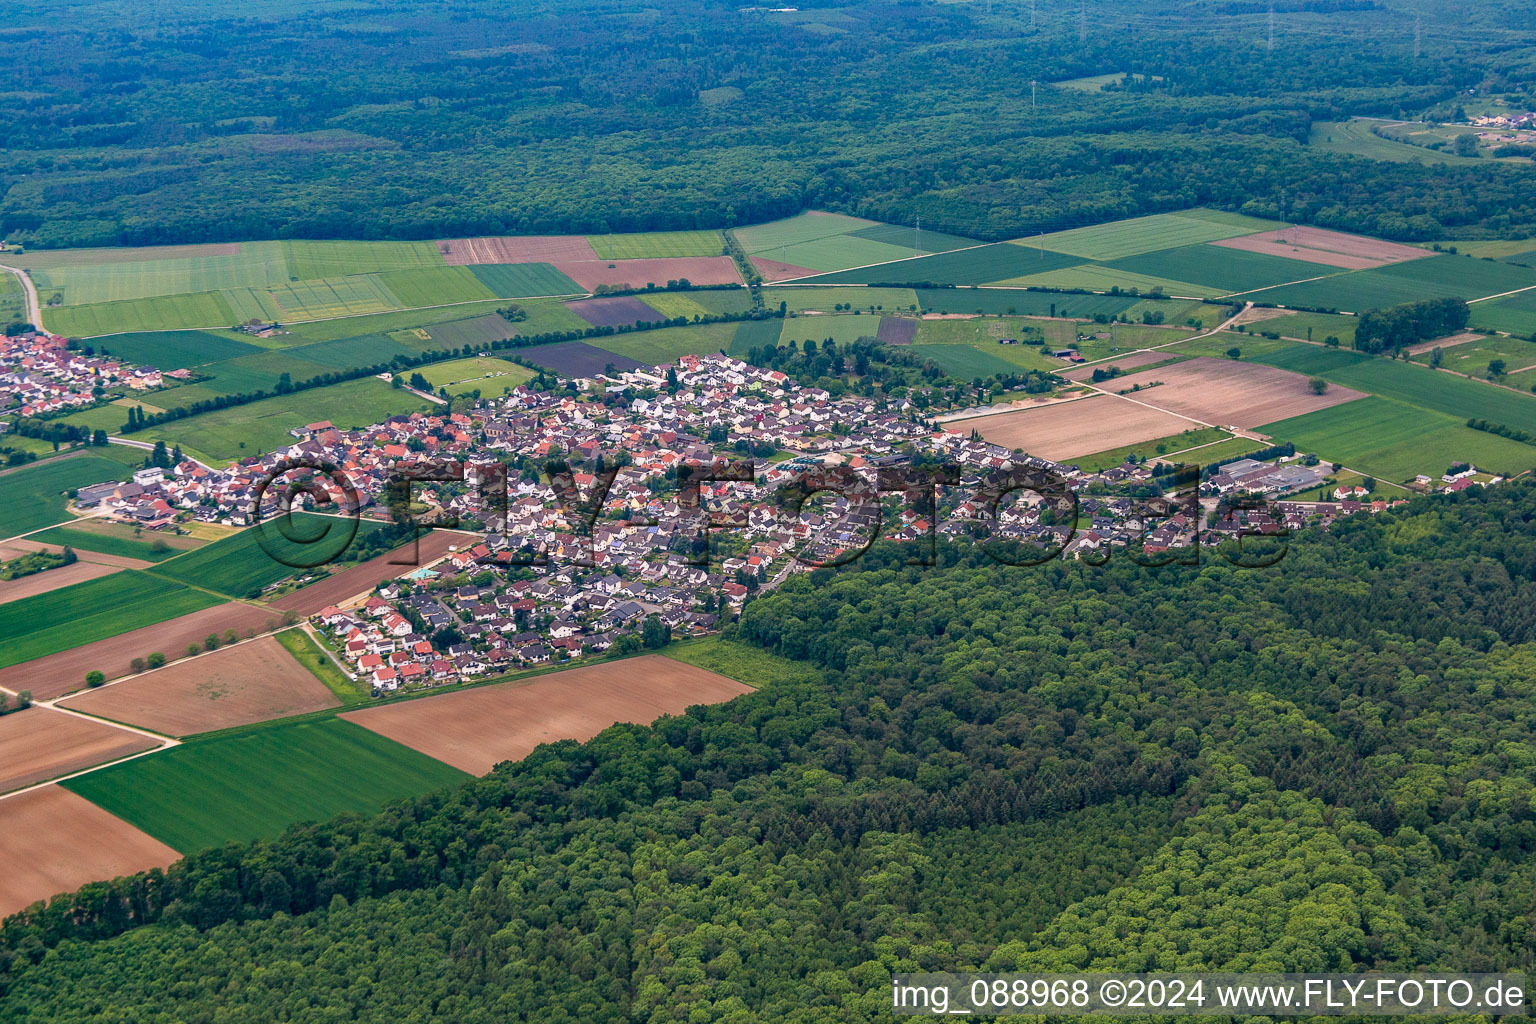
pixel 29 290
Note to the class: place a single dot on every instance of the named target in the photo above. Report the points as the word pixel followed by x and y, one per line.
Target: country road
pixel 34 308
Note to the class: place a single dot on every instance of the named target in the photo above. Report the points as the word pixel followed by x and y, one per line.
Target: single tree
pixel 95 677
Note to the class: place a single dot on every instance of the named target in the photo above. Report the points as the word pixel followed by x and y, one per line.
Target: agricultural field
pixel 226 435
pixel 397 320
pixel 162 313
pixel 1331 248
pixel 39 744
pixel 615 311
pixel 13 307
pixel 1125 363
pixel 1099 277
pixel 652 348
pixel 1442 276
pixel 713 300
pixel 1017 301
pixel 1313 327
pixel 1393 440
pixel 1150 450
pixel 1226 392
pixel 254 783
pixel 579 359
pixel 257 681
pixel 476 729
pixel 485 374
pixel 306 652
pixel 63 619
pixel 95 535
pixel 477 332
pixel 752 334
pixel 844 328
pixel 240 565
pixel 825 242
pixel 593 274
pixel 170 350
pixel 897 330
pixel 797 299
pixel 35 496
pixel 1221 270
pixel 983 335
pixel 1513 313
pixel 53 841
pixel 977 265
pixel 363 577
pixel 57 578
pixel 326 297
pixel 1119 239
pixel 1473 357
pixel 436 287
pixel 657 245
pixel 967 362
pixel 1067 430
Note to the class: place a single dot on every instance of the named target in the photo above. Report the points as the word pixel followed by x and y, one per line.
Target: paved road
pixel 34 308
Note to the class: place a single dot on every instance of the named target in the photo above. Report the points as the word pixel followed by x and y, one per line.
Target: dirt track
pixel 52 841
pixel 253 682
pixel 40 744
pixel 58 674
pixel 476 729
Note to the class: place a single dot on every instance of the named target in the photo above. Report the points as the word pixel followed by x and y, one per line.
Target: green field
pixel 33 496
pixel 82 613
pixel 162 313
pixel 1018 301
pixel 323 297
pixel 759 239
pixel 254 783
pixel 12 307
pixel 109 539
pixel 1122 238
pixel 1211 454
pixel 1513 313
pixel 307 259
pixel 518 280
pixel 1437 277
pixel 1219 269
pixel 753 334
pixel 435 287
pixel 256 265
pixel 1100 461
pixel 170 350
pixel 309 654
pixel 1395 441
pixel 824 300
pixel 1098 277
pixel 1473 357
pixel 967 266
pixel 983 336
pixel 657 245
pixel 1295 325
pixel 1355 138
pixel 844 328
pixel 383 323
pixel 461 376
pixel 653 348
pixel 241 567
pixel 911 238
pixel 967 362
pixel 236 433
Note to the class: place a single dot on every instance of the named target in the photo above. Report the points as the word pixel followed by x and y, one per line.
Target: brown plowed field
pixel 476 729
pixel 773 270
pixel 463 252
pixel 638 273
pixel 365 576
pixel 1069 429
pixel 52 841
pixel 52 579
pixel 40 744
pixel 251 682
pixel 1331 248
pixel 1225 392
pixel 58 674
pixel 1125 362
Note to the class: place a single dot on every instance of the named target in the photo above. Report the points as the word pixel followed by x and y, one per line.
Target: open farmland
pixel 170 350
pixel 613 312
pixel 1010 301
pixel 361 578
pixel 237 432
pixel 1396 441
pixel 255 681
pixel 640 273
pixel 1319 245
pixel 1129 361
pixel 798 299
pixel 778 270
pixel 1123 238
pixel 241 565
pixel 1355 138
pixel 518 280
pixel 475 332
pixel 1193 438
pixel 803 227
pixel 52 579
pixel 897 330
pixel 53 841
pixel 1068 429
pixel 64 672
pixel 656 245
pixel 1224 391
pixel 1222 270
pixel 40 744
pixel 1442 276
pixel 515 249
pixel 752 334
pixel 965 266
pixel 435 287
pixel 653 348
pixel 1513 313
pixel 59 620
pixel 254 783
pixel 578 359
pixel 35 496
pixel 1100 277
pixel 476 729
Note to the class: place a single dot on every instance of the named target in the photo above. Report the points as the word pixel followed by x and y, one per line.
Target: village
pixel 532 584
pixel 41 373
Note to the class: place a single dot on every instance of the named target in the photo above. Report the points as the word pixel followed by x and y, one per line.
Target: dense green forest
pixel 1326 765
pixel 218 121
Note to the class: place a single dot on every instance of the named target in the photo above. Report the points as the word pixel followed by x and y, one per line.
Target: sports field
pixel 35 496
pixel 254 783
pixel 62 619
pixel 234 433
pixel 241 566
pixel 1124 238
pixel 487 375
